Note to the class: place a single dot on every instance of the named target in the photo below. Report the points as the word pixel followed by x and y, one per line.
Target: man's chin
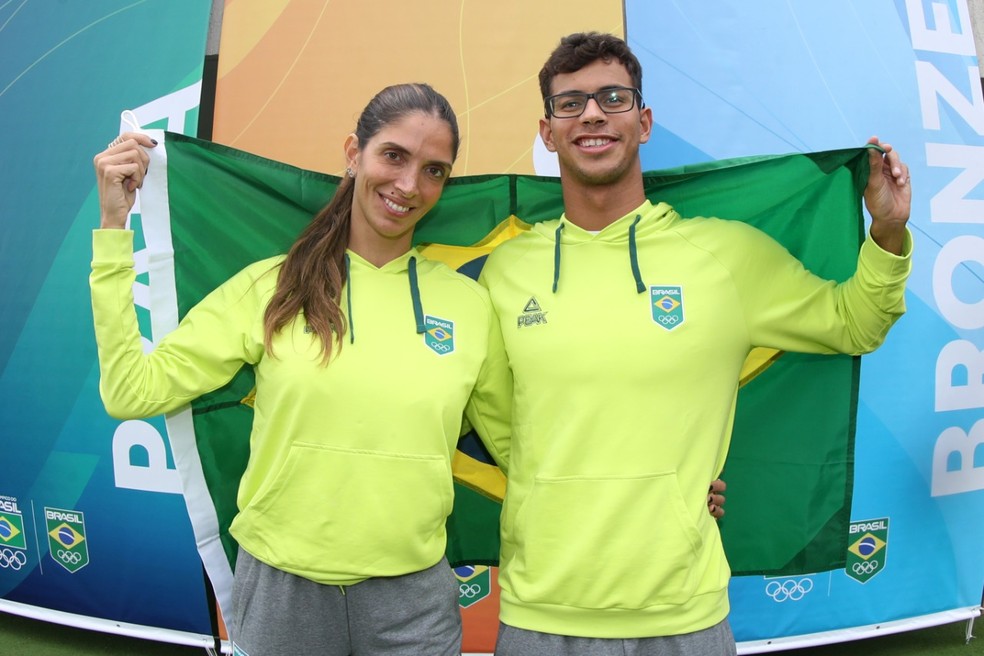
pixel 598 178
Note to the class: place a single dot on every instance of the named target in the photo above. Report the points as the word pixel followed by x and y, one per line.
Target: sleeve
pixel 203 353
pixel 792 309
pixel 489 409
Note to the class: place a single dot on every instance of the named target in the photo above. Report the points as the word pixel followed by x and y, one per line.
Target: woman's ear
pixel 352 152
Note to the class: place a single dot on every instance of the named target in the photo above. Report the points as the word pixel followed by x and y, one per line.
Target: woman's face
pixel 399 176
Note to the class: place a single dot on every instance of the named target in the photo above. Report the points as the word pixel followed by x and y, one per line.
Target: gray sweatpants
pixel 714 641
pixel 276 613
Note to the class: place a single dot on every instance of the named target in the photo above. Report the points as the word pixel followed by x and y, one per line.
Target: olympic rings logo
pixel 865 568
pixel 71 557
pixel 441 347
pixel 469 591
pixel 10 559
pixel 790 589
pixel 669 319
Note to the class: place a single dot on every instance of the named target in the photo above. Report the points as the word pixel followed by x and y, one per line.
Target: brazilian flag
pixel 790 470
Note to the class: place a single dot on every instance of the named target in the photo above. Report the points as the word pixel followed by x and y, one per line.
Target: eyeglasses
pixel 613 100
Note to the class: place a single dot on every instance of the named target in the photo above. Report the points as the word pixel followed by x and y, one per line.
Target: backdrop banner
pixel 94 530
pixel 724 81
pixel 93 527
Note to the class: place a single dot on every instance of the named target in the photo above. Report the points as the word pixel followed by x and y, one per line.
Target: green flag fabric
pixel 212 210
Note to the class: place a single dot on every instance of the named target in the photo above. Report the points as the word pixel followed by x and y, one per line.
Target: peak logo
pixel 532 314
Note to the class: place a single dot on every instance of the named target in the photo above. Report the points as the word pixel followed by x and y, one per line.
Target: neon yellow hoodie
pixel 349 473
pixel 626 348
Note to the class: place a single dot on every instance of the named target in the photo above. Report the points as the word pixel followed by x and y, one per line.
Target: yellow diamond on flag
pixel 439 334
pixel 867 546
pixel 667 304
pixel 11 532
pixel 66 536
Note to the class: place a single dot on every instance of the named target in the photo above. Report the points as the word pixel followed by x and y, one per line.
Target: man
pixel 620 420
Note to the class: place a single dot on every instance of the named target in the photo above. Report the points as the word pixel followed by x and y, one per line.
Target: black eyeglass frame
pixel 636 93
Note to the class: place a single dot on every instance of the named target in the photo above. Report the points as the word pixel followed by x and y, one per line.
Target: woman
pixel 358 408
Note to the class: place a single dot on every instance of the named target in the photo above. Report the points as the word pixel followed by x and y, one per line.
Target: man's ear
pixel 646 124
pixel 546 133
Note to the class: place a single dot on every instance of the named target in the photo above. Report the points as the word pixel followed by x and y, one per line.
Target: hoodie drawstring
pixel 556 278
pixel 418 311
pixel 634 256
pixel 348 299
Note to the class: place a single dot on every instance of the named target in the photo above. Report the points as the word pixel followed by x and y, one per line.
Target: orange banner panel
pixel 294 74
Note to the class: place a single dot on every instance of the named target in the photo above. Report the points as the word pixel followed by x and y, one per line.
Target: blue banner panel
pixel 92 521
pixel 725 80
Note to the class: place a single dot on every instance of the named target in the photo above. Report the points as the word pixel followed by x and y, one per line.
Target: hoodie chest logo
pixel 666 303
pixel 439 335
pixel 532 314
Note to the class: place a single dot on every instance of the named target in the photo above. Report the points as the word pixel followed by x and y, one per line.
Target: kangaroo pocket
pixel 335 513
pixel 606 542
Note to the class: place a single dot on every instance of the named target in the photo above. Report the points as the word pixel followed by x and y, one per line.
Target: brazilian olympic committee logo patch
pixel 13 542
pixel 12 530
pixel 869 546
pixel 439 335
pixel 474 584
pixel 667 305
pixel 66 538
pixel 11 524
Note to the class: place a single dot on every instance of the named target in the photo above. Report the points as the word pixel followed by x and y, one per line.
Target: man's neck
pixel 596 207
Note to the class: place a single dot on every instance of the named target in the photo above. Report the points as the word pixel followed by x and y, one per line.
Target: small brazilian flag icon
pixel 474 584
pixel 439 335
pixel 868 548
pixel 667 305
pixel 66 538
pixel 12 530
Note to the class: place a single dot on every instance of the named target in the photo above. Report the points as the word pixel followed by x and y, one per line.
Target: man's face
pixel 596 148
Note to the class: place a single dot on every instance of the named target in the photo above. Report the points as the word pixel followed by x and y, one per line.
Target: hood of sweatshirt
pixel 406 265
pixel 644 220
